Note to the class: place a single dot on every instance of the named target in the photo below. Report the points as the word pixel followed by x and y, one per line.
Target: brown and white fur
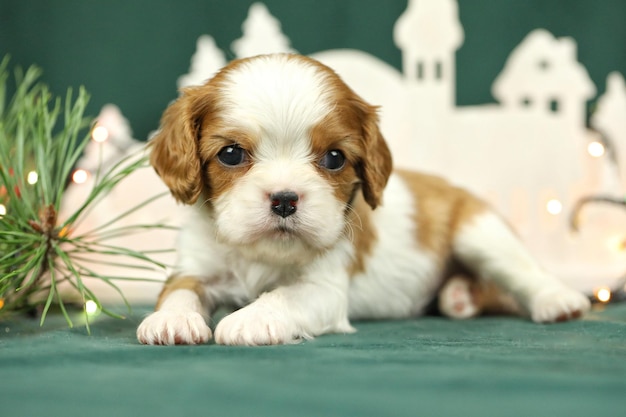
pixel 298 220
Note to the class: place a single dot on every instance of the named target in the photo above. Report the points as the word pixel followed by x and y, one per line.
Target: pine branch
pixel 47 134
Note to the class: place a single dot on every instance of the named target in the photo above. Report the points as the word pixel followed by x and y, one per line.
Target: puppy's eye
pixel 232 155
pixel 334 160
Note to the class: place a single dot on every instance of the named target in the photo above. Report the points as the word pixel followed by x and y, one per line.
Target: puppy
pixel 299 221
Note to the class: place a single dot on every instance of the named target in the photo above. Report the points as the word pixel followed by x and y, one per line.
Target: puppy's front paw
pixel 173 328
pixel 255 325
pixel 558 304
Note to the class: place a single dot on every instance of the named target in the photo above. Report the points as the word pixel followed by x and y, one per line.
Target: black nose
pixel 284 203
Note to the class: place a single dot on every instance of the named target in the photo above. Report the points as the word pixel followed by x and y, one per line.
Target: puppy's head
pixel 277 148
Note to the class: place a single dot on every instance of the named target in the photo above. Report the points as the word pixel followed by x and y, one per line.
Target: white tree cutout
pixel 113 139
pixel 610 118
pixel 261 34
pixel 207 60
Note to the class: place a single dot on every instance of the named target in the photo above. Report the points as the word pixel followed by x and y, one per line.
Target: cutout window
pixel 554 105
pixel 438 70
pixel 420 71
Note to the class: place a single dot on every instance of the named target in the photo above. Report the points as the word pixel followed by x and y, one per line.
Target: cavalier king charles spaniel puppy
pixel 299 222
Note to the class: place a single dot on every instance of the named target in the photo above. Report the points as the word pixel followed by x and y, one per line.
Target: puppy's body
pixel 298 219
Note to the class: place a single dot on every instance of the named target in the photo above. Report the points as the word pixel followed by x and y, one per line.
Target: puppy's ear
pixel 376 164
pixel 174 153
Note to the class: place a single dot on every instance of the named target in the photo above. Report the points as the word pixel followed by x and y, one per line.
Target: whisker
pixel 351 209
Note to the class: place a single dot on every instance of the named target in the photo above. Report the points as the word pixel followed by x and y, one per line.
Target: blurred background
pixel 130 53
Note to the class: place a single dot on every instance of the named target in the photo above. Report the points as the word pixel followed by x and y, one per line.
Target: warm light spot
pixel 616 243
pixel 65 231
pixel 554 206
pixel 603 294
pixel 3 210
pixel 91 307
pixel 80 176
pixel 100 134
pixel 1 303
pixel 32 177
pixel 595 149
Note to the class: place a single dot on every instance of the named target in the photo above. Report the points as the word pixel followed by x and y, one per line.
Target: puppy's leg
pixel 312 306
pixel 180 317
pixel 462 297
pixel 487 245
pixel 457 299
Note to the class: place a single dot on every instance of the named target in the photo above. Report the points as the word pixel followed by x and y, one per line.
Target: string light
pixel 80 176
pixel 554 206
pixel 100 134
pixel 616 244
pixel 91 308
pixel 64 232
pixel 603 294
pixel 3 210
pixel 32 177
pixel 595 149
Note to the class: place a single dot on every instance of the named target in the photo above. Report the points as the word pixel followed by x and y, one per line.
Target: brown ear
pixel 376 164
pixel 174 153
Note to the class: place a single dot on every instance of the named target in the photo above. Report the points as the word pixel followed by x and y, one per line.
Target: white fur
pixel 304 306
pixel 276 98
pixel 400 278
pixel 490 248
pixel 180 320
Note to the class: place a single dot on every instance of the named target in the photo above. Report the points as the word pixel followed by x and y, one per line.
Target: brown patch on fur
pixel 218 177
pixel 360 228
pixel 491 299
pixel 174 283
pixel 177 154
pixel 174 153
pixel 487 297
pixel 353 127
pixel 329 135
pixel 338 133
pixel 441 209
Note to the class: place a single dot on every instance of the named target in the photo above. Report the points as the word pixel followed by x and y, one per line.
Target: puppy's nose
pixel 284 203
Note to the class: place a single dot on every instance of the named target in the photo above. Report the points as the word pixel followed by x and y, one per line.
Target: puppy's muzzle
pixel 284 203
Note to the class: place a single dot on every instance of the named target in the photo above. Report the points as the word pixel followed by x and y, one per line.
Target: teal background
pixel 130 52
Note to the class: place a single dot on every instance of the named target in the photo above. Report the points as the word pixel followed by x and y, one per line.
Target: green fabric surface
pixel 492 366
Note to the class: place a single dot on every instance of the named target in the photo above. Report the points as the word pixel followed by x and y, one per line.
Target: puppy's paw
pixel 558 304
pixel 456 300
pixel 173 328
pixel 255 325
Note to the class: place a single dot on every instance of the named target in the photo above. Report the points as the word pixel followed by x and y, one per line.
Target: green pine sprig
pixel 39 251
